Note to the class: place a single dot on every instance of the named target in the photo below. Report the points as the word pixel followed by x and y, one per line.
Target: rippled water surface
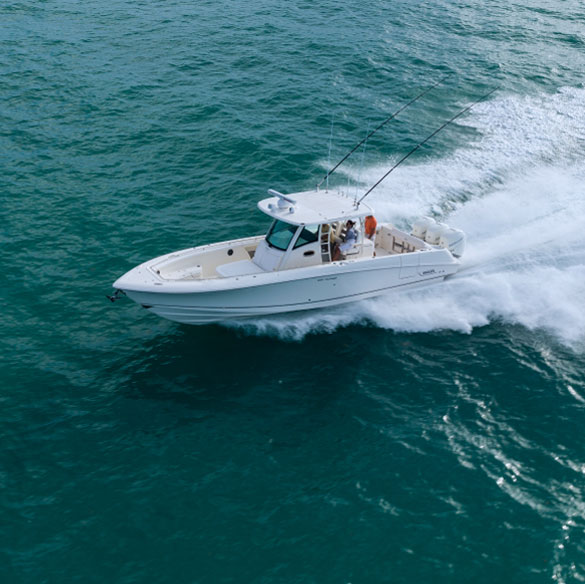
pixel 432 436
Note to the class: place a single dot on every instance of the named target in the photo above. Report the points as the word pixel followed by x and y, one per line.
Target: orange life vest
pixel 370 226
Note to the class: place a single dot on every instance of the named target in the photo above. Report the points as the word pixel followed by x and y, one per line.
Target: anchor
pixel 115 295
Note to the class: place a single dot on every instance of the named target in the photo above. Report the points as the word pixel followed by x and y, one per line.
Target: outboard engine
pixel 454 241
pixel 433 234
pixel 420 226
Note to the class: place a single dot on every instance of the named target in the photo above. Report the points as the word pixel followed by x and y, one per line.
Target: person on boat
pixel 370 227
pixel 347 241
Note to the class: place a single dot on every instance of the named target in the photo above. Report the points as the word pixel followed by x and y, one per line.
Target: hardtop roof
pixel 313 207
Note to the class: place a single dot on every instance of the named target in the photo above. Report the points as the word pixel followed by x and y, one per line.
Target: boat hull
pixel 281 292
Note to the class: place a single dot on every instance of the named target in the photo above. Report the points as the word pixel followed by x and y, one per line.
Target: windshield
pixel 309 234
pixel 280 234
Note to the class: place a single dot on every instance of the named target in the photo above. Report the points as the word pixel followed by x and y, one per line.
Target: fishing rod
pixel 424 142
pixel 380 126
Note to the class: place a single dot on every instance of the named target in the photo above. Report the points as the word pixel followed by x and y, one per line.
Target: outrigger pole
pixel 380 126
pixel 424 142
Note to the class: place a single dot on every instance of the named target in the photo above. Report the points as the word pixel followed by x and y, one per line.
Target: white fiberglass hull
pixel 221 299
pixel 218 307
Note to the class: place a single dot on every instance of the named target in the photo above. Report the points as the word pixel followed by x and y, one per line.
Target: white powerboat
pixel 308 259
pixel 297 265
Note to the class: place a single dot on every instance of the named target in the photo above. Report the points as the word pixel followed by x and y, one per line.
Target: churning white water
pixel 518 191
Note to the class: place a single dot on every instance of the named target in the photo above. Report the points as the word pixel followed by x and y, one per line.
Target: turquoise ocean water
pixel 434 436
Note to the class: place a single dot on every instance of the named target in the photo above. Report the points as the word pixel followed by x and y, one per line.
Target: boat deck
pixel 392 241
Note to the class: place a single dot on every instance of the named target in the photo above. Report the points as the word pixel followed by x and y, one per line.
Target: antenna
pixel 425 141
pixel 329 157
pixel 326 177
pixel 361 164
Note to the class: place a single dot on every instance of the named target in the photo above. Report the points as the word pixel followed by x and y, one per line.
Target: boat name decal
pixel 327 278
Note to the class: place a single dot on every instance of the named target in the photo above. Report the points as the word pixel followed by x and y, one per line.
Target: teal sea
pixel 431 436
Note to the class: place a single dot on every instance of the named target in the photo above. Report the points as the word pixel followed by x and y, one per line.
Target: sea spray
pixel 517 193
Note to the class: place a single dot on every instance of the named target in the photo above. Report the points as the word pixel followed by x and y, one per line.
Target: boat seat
pixel 239 268
pixel 337 230
pixel 352 252
pixel 356 250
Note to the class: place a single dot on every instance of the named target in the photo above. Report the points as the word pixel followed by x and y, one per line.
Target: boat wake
pixel 517 192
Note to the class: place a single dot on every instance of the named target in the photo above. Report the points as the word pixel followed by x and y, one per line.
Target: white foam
pixel 517 192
